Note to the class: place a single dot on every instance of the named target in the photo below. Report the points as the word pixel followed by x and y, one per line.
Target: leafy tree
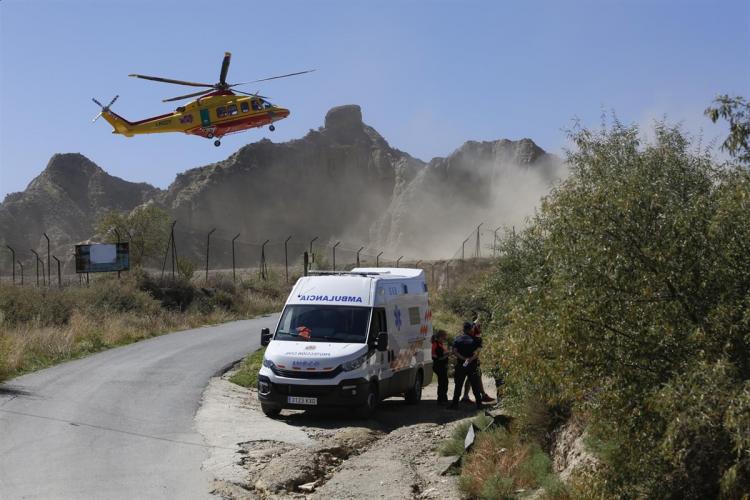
pixel 146 227
pixel 628 298
pixel 736 111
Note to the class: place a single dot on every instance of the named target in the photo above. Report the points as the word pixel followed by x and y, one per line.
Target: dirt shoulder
pixel 326 454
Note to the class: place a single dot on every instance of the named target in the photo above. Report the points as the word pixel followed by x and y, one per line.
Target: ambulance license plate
pixel 296 400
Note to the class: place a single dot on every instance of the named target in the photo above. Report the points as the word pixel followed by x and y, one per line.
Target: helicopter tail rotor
pixel 104 108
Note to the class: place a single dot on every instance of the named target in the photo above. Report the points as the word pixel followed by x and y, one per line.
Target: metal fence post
pixel 416 264
pixel 12 262
pixel 59 274
pixel 234 277
pixel 494 242
pixel 377 259
pixel 334 254
pixel 312 255
pixel 478 252
pixel 263 270
pixel 398 261
pixel 21 266
pixel 447 275
pixel 117 233
pixel 37 267
pixel 358 251
pixel 305 262
pixel 208 248
pixel 463 246
pixel 49 268
pixel 286 258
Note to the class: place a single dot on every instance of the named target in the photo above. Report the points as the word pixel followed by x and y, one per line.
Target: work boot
pixel 487 399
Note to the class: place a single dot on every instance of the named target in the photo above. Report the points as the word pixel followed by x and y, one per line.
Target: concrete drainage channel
pixel 321 454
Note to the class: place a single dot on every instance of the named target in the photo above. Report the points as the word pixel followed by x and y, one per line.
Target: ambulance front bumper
pixel 346 393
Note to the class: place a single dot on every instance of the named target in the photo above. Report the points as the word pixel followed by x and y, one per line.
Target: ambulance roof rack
pixel 343 273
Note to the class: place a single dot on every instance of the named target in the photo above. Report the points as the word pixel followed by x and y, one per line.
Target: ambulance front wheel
pixel 270 411
pixel 371 402
pixel 414 395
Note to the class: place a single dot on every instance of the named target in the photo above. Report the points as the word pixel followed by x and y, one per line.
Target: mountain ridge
pixel 340 179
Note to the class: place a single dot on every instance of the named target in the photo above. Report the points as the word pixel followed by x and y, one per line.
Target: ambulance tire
pixel 368 409
pixel 270 411
pixel 414 395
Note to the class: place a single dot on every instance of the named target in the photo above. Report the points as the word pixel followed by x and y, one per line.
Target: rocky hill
pixel 65 201
pixel 342 180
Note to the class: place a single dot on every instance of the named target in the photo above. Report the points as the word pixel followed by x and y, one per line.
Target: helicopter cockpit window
pixel 256 105
pixel 232 109
pixel 267 105
pixel 221 112
pixel 244 106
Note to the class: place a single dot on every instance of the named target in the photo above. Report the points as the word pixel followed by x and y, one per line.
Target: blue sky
pixel 429 75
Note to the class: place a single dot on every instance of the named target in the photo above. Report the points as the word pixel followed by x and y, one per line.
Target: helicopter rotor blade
pixel 274 77
pixel 97 103
pixel 169 80
pixel 96 117
pixel 195 94
pixel 112 101
pixel 252 95
pixel 224 68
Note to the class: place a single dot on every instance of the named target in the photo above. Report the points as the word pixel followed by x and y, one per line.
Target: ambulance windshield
pixel 323 323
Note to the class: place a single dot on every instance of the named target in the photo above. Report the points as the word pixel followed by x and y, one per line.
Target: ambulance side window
pixel 378 324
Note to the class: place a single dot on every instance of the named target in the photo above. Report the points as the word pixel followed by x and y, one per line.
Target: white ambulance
pixel 349 339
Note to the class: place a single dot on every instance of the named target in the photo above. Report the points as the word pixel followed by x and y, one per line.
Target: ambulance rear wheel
pixel 270 411
pixel 217 143
pixel 371 402
pixel 414 395
pixel 271 128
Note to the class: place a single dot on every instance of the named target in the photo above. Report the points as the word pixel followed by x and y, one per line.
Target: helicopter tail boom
pixel 119 124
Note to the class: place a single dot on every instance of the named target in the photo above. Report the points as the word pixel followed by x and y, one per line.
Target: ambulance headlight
pixel 268 363
pixel 353 364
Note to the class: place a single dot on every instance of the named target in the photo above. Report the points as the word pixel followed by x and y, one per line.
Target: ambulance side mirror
pixel 382 343
pixel 265 337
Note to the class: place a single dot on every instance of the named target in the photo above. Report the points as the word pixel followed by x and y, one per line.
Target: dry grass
pixel 40 327
pixel 501 464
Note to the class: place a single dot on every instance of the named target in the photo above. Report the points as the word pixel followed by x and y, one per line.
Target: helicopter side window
pixel 244 106
pixel 221 112
pixel 256 105
pixel 232 109
pixel 267 105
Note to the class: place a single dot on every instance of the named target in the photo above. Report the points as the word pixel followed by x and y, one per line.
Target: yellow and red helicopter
pixel 218 111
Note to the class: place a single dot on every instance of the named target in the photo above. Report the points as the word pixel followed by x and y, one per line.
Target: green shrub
pixel 627 300
pixel 247 373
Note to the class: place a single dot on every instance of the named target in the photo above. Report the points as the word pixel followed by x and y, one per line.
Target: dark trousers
pixel 440 368
pixel 472 374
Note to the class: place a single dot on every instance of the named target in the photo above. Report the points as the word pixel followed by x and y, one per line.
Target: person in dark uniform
pixel 440 365
pixel 466 349
pixel 476 332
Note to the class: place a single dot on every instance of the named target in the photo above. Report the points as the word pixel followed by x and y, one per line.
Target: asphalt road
pixel 117 424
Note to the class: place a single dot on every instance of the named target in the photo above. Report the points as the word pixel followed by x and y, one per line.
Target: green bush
pixel 247 374
pixel 627 301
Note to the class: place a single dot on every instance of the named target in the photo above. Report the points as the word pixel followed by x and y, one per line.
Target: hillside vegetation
pixel 626 304
pixel 41 326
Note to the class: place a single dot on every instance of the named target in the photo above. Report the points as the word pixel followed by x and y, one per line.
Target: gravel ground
pixel 323 454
